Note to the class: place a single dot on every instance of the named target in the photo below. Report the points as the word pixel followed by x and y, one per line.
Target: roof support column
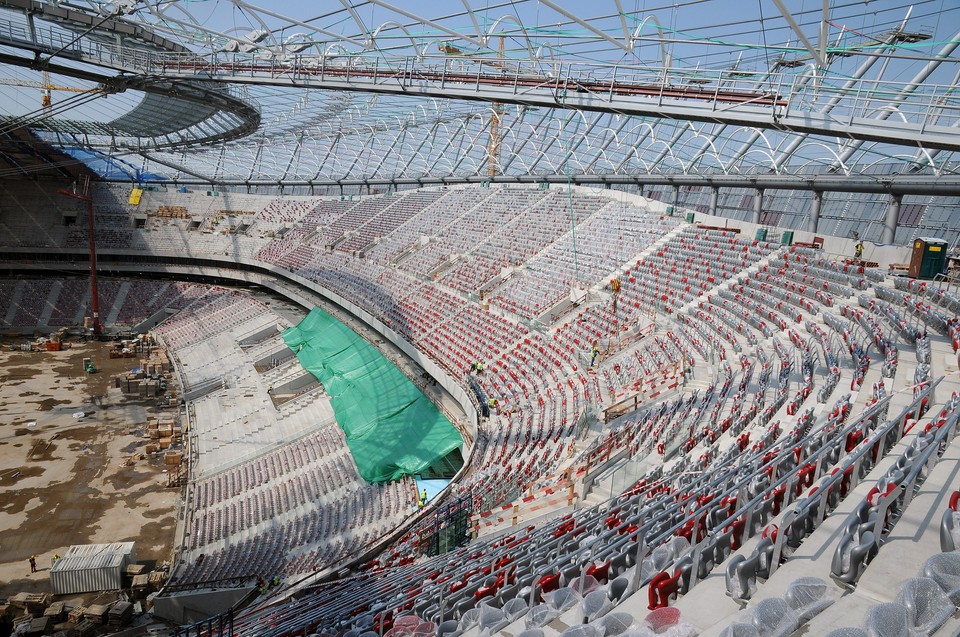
pixel 893 216
pixel 757 206
pixel 813 221
pixel 676 199
pixel 714 197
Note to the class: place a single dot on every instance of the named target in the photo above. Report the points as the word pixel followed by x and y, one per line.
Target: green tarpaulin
pixel 392 429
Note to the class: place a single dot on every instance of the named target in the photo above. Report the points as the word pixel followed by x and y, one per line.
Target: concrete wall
pixel 189 607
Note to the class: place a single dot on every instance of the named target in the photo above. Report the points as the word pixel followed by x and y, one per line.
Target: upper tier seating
pixel 788 407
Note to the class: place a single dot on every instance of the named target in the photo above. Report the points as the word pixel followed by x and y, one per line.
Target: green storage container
pixel 761 234
pixel 670 210
pixel 786 238
pixel 690 217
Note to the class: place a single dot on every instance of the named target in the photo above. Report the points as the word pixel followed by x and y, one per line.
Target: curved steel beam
pixel 635 37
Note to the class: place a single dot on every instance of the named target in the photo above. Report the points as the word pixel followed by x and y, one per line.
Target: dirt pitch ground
pixel 65 480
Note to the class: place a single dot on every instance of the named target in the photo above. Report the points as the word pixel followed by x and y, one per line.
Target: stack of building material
pixel 148 388
pixel 132 570
pixel 129 384
pixel 157 578
pixel 141 585
pixel 97 613
pixel 85 628
pixel 33 603
pixel 56 611
pixel 38 626
pixel 119 615
pixel 76 615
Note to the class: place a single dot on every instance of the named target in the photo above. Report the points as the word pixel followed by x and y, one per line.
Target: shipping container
pixel 91 567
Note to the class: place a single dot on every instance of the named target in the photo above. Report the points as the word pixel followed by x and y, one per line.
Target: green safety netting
pixel 392 429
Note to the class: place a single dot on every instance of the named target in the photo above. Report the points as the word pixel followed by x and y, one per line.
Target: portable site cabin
pixel 91 567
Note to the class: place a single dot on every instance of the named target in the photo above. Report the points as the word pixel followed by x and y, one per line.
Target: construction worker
pixel 423 497
pixel 858 250
pixel 33 563
pixel 596 352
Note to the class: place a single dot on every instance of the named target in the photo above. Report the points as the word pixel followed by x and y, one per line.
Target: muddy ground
pixel 67 480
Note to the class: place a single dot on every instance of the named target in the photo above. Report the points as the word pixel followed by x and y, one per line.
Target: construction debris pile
pixel 52 343
pixel 38 614
pixel 151 378
pixel 168 437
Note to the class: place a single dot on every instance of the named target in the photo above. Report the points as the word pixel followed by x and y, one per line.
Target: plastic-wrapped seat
pixel 562 599
pixel 888 620
pixel 849 631
pixel 741 575
pixel 514 608
pixel 584 584
pixel 944 569
pixel 492 619
pixel 462 607
pixel 678 546
pixel 469 619
pixel 596 604
pixel 582 630
pixel 773 617
pixel 656 562
pixel 740 630
pixel 614 624
pixel 926 603
pixel 540 615
pixel 363 622
pixel 531 632
pixel 662 618
pixel 407 622
pixel 808 596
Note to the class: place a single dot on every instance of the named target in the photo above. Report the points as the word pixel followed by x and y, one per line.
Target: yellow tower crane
pixel 493 128
pixel 45 86
pixel 493 151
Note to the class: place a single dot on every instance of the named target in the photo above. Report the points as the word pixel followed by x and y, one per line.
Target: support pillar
pixel 676 199
pixel 893 217
pixel 813 221
pixel 714 198
pixel 757 206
